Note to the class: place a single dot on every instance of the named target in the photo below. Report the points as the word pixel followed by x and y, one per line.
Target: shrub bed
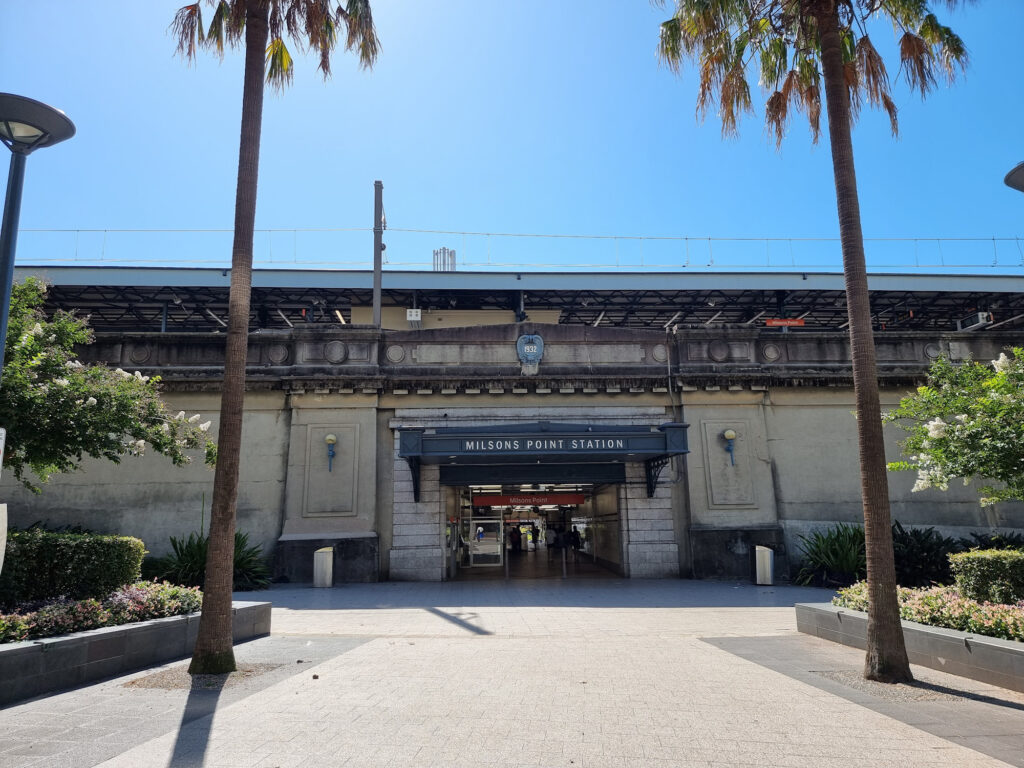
pixel 42 565
pixel 990 575
pixel 946 607
pixel 186 564
pixel 135 602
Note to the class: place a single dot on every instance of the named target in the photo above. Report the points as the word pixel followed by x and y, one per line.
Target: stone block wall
pixel 652 543
pixel 416 551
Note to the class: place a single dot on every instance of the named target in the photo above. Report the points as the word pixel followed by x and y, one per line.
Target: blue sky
pixel 540 116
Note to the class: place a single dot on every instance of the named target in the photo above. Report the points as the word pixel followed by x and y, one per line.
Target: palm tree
pixel 797 44
pixel 263 26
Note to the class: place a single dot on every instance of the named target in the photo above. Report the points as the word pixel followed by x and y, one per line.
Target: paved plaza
pixel 585 673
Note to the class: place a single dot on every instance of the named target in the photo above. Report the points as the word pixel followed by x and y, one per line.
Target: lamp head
pixel 729 434
pixel 330 439
pixel 27 124
pixel 1015 178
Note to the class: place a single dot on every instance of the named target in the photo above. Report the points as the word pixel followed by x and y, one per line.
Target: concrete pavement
pixel 531 673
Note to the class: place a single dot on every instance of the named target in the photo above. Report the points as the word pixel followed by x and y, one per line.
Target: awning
pixel 542 443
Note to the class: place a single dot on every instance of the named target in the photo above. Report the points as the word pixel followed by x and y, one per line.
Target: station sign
pixel 784 322
pixel 528 499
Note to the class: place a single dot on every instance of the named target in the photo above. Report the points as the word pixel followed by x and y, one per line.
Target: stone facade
pixel 787 396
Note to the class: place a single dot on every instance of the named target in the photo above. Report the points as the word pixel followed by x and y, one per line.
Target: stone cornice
pixel 576 358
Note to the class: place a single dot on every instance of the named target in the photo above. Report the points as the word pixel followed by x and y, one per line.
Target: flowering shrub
pixel 967 422
pixel 136 602
pixel 57 410
pixel 946 607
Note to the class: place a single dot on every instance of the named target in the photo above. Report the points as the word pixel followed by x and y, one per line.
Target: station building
pixel 675 421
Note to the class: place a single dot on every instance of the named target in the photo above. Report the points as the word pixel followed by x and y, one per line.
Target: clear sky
pixel 537 116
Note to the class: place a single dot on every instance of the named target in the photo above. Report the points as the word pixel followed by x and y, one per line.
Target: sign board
pixel 3 445
pixel 784 322
pixel 528 499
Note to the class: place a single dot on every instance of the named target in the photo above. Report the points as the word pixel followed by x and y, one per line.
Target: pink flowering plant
pixel 946 607
pixel 967 422
pixel 134 602
pixel 57 410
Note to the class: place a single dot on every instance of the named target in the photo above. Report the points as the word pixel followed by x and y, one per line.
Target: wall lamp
pixel 730 444
pixel 331 440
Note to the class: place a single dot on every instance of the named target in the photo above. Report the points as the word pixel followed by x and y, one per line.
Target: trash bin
pixel 323 567
pixel 764 564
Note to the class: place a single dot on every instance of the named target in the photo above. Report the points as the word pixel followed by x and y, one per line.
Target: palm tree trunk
pixel 213 652
pixel 886 654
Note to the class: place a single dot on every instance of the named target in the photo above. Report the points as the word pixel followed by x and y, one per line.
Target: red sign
pixel 528 499
pixel 784 321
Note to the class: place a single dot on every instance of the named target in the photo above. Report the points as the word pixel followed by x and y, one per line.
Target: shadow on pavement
pixel 599 593
pixel 193 734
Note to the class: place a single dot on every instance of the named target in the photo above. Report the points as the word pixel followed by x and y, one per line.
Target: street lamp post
pixel 25 126
pixel 1015 178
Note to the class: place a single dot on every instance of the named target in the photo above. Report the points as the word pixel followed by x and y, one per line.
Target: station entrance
pixel 534 532
pixel 539 499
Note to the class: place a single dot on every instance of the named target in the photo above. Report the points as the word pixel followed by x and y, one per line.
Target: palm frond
pixel 280 68
pixel 952 51
pixel 220 28
pixel 670 44
pixel 916 62
pixel 362 35
pixel 734 97
pixel 187 27
pixel 776 116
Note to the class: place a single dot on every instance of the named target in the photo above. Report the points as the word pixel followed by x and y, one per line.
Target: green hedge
pixel 990 575
pixel 41 565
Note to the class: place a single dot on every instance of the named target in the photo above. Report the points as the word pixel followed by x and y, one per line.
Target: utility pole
pixel 378 247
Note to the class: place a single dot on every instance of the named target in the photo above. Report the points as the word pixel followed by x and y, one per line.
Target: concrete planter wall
pixel 33 667
pixel 988 659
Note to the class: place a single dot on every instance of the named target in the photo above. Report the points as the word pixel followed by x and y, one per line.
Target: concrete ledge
pixel 34 667
pixel 987 659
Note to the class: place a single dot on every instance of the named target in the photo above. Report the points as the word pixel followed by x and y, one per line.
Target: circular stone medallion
pixel 718 351
pixel 277 353
pixel 395 353
pixel 771 352
pixel 932 350
pixel 335 351
pixel 140 353
pixel 660 353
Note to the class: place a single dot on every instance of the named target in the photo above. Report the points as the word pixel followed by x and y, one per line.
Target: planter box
pixel 33 667
pixel 987 659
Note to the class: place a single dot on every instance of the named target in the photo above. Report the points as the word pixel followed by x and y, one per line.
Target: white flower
pixel 122 373
pixel 74 365
pixel 36 330
pixel 204 426
pixel 91 401
pixel 937 427
pixel 164 428
pixel 193 419
pixel 141 378
pixel 180 416
pixel 1002 364
pixel 61 382
pixel 962 418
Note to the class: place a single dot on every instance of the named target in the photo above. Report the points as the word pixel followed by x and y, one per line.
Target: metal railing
pixel 414 249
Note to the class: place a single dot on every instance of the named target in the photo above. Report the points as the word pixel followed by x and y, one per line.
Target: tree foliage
pixel 311 24
pixel 57 411
pixel 967 422
pixel 780 38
